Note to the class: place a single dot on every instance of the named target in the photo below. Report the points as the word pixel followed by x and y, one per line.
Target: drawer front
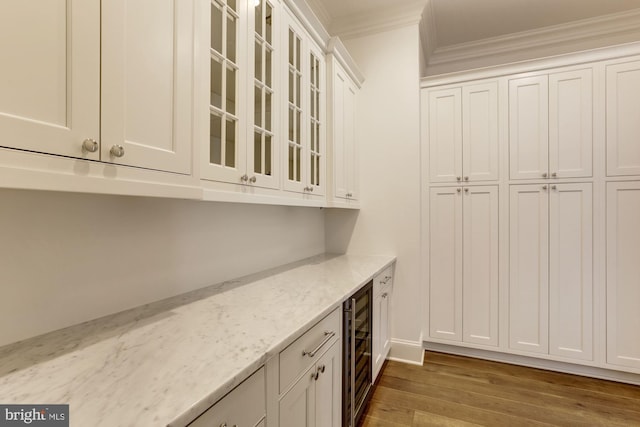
pixel 382 280
pixel 245 405
pixel 307 349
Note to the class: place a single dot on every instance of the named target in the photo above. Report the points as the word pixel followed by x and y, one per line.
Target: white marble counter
pixel 169 361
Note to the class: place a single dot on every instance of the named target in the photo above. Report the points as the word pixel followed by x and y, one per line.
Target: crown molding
pixel 321 12
pixel 340 52
pixel 358 25
pixel 301 10
pixel 428 30
pixel 618 27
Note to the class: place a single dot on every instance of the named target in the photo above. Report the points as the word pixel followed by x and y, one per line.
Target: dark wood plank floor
pixel 459 391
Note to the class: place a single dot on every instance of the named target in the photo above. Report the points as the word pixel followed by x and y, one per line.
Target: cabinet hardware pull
pixel 466 178
pixel 458 189
pixel 553 187
pixel 244 178
pixel 253 179
pixel 328 335
pixel 544 187
pixel 384 295
pixel 458 178
pixel 385 280
pixel 315 375
pixel 466 190
pixel 555 175
pixel 544 175
pixel 90 145
pixel 117 151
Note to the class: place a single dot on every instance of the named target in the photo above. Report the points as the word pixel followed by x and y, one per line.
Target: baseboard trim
pixel 531 362
pixel 411 352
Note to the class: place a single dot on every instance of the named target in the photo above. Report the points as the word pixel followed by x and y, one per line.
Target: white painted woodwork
pixel 381 343
pixel 329 388
pixel 480 132
pixel 147 95
pixel 623 125
pixel 623 273
pixel 340 84
pixel 298 406
pixel 528 268
pixel 480 265
pixel 245 405
pixel 571 124
pixel 571 271
pixel 528 127
pixel 315 175
pixel 445 263
pixel 445 135
pixel 351 146
pixel 50 75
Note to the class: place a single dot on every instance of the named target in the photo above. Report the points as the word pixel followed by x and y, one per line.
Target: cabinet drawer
pixel 245 405
pixel 382 280
pixel 307 349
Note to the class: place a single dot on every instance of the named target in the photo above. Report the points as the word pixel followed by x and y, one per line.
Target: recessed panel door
pixel 480 132
pixel 50 76
pixel 445 135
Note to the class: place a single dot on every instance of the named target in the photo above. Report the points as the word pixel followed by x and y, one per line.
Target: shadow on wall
pixel 339 226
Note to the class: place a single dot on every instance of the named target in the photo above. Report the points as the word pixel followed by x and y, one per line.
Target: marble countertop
pixel 167 362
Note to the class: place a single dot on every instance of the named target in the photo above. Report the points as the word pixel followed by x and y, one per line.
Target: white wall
pixel 389 137
pixel 68 258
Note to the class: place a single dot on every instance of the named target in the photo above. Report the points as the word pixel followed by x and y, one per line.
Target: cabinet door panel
pixel 298 406
pixel 445 135
pixel 480 261
pixel 329 388
pixel 570 271
pixel 528 127
pixel 445 264
pixel 147 67
pixel 571 124
pixel 353 170
pixel 480 132
pixel 339 135
pixel 623 273
pixel 528 268
pixel 50 75
pixel 623 126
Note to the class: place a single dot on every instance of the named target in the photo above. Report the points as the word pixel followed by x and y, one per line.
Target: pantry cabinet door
pixel 298 405
pixel 623 274
pixel 147 90
pixel 623 125
pixel 329 388
pixel 480 266
pixel 445 135
pixel 529 127
pixel 445 263
pixel 528 268
pixel 571 124
pixel 480 132
pixel 50 75
pixel 571 271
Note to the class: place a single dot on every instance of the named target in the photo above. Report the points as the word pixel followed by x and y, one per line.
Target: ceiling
pixel 461 21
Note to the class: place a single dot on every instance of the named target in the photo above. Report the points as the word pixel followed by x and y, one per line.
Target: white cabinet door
pixel 480 265
pixel 445 270
pixel 570 271
pixel 50 75
pixel 147 95
pixel 528 262
pixel 351 149
pixel 528 127
pixel 571 124
pixel 623 273
pixel 339 83
pixel 329 388
pixel 381 329
pixel 480 132
pixel 298 405
pixel 623 126
pixel 445 135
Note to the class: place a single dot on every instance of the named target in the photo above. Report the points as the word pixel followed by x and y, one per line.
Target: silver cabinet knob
pixel 321 369
pixel 553 187
pixel 90 145
pixel 554 175
pixel 253 180
pixel 458 178
pixel 458 189
pixel 544 175
pixel 311 189
pixel 117 151
pixel 384 295
pixel 466 190
pixel 544 187
pixel 466 178
pixel 244 178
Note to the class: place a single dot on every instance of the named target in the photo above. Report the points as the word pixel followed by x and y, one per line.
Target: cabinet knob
pixel 553 187
pixel 321 369
pixel 90 145
pixel 458 189
pixel 554 175
pixel 253 179
pixel 466 190
pixel 458 178
pixel 466 178
pixel 544 187
pixel 117 151
pixel 244 178
pixel 384 295
pixel 544 175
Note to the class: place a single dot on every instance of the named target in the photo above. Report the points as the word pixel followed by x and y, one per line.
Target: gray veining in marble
pixel 169 361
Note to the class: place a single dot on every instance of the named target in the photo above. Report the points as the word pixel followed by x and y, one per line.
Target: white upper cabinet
pixel 623 274
pixel 571 124
pixel 147 95
pixel 463 133
pixel 50 76
pixel 480 132
pixel 528 127
pixel 551 125
pixel 623 124
pixel 445 135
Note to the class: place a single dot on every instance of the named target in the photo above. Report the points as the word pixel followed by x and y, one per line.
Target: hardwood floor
pixel 460 391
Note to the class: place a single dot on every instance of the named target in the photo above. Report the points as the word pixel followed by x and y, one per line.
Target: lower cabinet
pixel 623 274
pixel 382 293
pixel 244 406
pixel 463 257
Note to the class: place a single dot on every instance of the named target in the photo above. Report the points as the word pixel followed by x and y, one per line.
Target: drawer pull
pixel 385 280
pixel 328 335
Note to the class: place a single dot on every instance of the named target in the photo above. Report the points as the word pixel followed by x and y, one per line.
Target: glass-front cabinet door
pixel 316 152
pixel 263 148
pixel 226 155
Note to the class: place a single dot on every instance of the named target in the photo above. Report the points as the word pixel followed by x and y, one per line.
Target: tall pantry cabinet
pixel 531 209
